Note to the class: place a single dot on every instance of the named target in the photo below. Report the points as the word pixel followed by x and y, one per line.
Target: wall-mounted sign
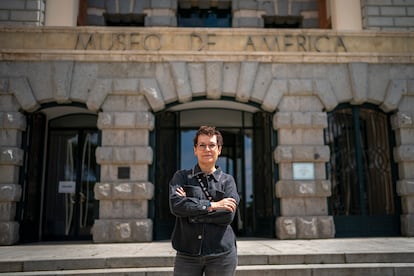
pixel 67 187
pixel 303 171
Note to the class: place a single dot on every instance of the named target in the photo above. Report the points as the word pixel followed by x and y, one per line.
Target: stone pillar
pixel 124 190
pixel 161 13
pixel 403 124
pixel 12 124
pixel 246 14
pixel 62 13
pixel 303 202
pixel 346 15
pixel 11 158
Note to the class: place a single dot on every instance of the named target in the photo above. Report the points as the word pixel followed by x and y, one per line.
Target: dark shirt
pixel 197 231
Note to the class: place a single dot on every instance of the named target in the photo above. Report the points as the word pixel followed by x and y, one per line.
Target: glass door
pixel 246 154
pixel 69 206
pixel 235 159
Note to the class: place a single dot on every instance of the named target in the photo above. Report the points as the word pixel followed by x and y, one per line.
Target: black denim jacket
pixel 197 231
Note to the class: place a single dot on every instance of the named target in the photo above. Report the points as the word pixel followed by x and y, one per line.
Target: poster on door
pixel 67 187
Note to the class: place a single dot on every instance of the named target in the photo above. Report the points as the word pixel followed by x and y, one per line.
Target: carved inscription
pixel 209 42
pixel 118 41
pixel 300 43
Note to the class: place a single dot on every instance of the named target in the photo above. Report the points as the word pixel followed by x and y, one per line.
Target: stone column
pixel 346 15
pixel 11 158
pixel 303 202
pixel 124 157
pixel 246 14
pixel 161 13
pixel 403 124
pixel 62 13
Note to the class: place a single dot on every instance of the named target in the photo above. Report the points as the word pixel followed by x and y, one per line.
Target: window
pixel 124 19
pixel 292 22
pixel 196 17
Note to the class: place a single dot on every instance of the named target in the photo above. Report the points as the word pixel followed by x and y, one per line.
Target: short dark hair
pixel 209 131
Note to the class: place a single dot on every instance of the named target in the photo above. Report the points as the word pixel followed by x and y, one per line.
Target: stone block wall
pixel 388 15
pixel 12 124
pixel 303 202
pixel 22 12
pixel 403 124
pixel 124 157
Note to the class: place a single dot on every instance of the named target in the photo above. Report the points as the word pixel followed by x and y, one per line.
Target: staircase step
pixel 245 261
pixel 86 263
pixel 372 256
pixel 165 261
pixel 370 269
pixel 322 258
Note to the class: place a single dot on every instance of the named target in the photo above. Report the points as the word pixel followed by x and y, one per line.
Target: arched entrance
pixel 58 201
pixel 246 154
pixel 364 201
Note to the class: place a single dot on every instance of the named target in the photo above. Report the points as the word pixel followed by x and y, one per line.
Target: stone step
pixel 245 261
pixel 378 264
pixel 360 269
pixel 57 264
pixel 359 256
pixel 365 269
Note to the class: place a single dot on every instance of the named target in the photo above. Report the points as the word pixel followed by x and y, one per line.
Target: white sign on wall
pixel 303 171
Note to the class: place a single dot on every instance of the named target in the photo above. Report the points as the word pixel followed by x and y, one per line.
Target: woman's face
pixel 207 150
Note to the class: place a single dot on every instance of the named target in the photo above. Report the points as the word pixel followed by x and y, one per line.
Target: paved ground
pixel 50 251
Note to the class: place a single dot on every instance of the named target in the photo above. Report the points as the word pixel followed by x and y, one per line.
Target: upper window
pixel 281 22
pixel 131 19
pixel 205 13
pixel 196 17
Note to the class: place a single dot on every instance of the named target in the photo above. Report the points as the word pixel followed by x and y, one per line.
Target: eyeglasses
pixel 204 146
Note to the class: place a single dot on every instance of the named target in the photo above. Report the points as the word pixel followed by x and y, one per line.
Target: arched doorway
pixel 364 201
pixel 60 171
pixel 246 154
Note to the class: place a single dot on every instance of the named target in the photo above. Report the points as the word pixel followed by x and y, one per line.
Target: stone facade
pixel 298 76
pixel 302 94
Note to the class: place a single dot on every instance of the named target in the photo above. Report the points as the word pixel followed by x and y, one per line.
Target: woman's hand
pixel 227 203
pixel 180 191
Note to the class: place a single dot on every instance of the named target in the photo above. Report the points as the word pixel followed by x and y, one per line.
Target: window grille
pixel 360 168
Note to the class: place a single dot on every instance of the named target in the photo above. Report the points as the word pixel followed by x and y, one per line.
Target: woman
pixel 204 200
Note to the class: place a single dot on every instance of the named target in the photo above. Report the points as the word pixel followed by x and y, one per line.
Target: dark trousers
pixel 222 265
